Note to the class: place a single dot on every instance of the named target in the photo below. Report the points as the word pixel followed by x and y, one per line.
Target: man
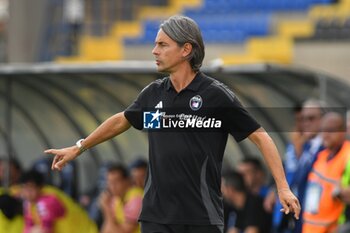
pixel 344 190
pixel 14 169
pixel 49 210
pixel 187 137
pixel 254 176
pixel 344 194
pixel 11 213
pixel 322 206
pixel 41 211
pixel 246 205
pixel 138 172
pixel 120 203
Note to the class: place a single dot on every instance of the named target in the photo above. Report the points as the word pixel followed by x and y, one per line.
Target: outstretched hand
pixel 62 156
pixel 289 202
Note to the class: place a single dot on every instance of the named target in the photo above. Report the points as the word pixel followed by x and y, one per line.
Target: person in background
pixel 15 172
pixel 300 155
pixel 138 172
pixel 11 210
pixel 344 189
pixel 249 215
pixel 254 176
pixel 322 207
pixel 41 211
pixel 121 202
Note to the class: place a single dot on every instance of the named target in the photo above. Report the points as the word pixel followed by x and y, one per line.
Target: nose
pixel 155 50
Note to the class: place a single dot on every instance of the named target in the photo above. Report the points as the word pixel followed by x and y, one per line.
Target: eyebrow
pixel 161 42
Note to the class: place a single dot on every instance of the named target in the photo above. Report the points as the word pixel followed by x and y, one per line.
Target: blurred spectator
pixel 344 195
pixel 344 191
pixel 15 171
pixel 254 176
pixel 11 219
pixel 297 139
pixel 300 155
pixel 91 199
pixel 41 211
pixel 246 206
pixel 138 172
pixel 66 180
pixel 121 202
pixel 322 208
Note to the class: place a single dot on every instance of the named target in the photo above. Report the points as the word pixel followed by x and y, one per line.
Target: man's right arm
pixel 110 128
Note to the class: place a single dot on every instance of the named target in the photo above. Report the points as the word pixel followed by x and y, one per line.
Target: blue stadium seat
pixel 225 28
pixel 231 21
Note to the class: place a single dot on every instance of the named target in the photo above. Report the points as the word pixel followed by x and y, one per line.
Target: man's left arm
pixel 270 153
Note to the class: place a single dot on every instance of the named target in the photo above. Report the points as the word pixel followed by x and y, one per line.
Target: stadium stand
pixel 254 23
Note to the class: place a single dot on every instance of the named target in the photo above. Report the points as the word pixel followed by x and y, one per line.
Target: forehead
pixel 311 111
pixel 163 37
pixel 331 121
pixel 114 175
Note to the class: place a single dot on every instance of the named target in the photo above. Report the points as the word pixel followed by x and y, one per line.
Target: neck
pixel 182 78
pixel 122 196
pixel 335 149
pixel 240 200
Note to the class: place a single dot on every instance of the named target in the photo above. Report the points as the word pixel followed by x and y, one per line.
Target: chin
pixel 164 71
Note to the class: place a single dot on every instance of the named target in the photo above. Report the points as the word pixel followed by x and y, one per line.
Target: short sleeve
pixel 134 112
pixel 237 120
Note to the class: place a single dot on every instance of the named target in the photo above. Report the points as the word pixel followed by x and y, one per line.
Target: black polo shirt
pixel 187 134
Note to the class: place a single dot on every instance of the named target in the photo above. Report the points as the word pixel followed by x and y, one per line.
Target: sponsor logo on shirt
pixel 152 120
pixel 160 120
pixel 196 102
pixel 159 105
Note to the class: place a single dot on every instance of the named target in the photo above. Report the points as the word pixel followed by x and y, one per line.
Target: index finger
pixel 51 151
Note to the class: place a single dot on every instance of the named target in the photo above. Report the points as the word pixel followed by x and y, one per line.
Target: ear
pixel 187 49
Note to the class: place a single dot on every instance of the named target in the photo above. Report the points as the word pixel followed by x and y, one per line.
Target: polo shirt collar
pixel 193 86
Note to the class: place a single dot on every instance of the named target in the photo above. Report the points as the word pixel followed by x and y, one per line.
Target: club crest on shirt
pixel 196 102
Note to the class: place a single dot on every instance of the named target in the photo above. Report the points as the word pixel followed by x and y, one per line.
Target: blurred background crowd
pixel 66 65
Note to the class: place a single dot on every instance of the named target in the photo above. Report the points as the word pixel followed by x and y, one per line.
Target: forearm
pixel 270 153
pixel 110 128
pixel 268 148
pixel 110 225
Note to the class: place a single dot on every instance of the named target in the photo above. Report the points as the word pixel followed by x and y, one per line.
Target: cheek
pixel 29 194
